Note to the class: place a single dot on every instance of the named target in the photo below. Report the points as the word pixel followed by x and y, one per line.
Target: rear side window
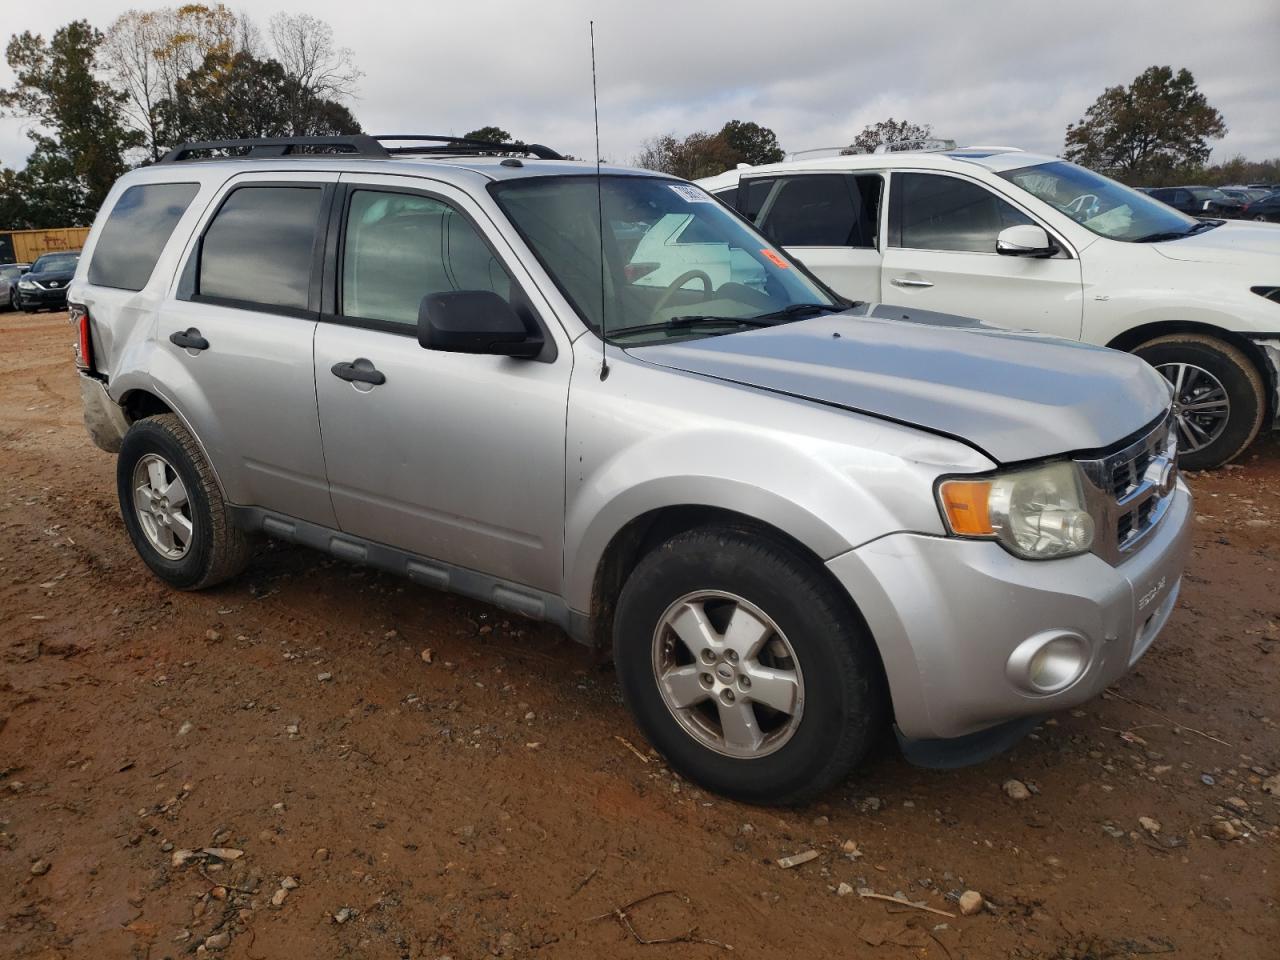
pixel 399 247
pixel 946 213
pixel 260 247
pixel 822 210
pixel 135 233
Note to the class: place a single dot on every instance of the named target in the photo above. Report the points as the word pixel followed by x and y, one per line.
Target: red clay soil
pixel 496 800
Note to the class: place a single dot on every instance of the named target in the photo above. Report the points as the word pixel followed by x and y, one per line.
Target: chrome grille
pixel 1130 490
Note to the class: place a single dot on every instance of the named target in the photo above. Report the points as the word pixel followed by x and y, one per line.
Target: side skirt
pixel 513 597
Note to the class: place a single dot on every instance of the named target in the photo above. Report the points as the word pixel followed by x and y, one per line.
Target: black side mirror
pixel 475 321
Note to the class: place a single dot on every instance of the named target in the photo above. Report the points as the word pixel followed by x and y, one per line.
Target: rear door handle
pixel 359 370
pixel 908 282
pixel 189 339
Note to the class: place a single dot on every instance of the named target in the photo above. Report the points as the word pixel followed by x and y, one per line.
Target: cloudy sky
pixel 816 71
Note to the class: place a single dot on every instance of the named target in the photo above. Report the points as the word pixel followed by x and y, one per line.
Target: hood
pixel 61 277
pixel 1014 395
pixel 1232 243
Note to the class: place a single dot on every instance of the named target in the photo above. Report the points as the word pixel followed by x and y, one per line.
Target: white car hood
pixel 1014 395
pixel 1232 243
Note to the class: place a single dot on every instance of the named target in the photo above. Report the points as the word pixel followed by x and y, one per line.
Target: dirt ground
pixel 496 800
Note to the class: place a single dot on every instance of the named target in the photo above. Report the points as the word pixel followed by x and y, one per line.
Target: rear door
pixel 941 255
pixel 457 457
pixel 827 221
pixel 236 341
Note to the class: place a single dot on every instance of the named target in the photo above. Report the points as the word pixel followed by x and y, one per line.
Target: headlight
pixel 27 285
pixel 1036 514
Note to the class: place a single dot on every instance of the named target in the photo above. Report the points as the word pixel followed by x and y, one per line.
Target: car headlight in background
pixel 27 285
pixel 1038 513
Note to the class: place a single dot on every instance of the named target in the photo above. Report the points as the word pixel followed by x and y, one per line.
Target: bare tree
pixel 147 52
pixel 304 46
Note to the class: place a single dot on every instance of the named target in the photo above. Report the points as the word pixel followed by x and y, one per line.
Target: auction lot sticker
pixel 691 193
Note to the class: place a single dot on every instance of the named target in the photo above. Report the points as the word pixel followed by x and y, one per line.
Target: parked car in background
pixel 1244 194
pixel 1265 186
pixel 10 274
pixel 1031 241
pixel 788 518
pixel 44 286
pixel 1198 201
pixel 1264 210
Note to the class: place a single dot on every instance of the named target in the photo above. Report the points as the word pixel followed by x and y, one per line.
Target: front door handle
pixel 189 339
pixel 359 370
pixel 908 282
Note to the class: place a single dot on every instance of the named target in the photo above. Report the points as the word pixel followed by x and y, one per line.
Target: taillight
pixel 634 271
pixel 84 339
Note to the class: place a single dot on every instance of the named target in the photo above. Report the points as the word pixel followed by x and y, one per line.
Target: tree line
pixel 101 102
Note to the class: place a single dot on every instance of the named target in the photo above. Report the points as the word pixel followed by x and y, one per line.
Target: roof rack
pixel 359 144
pixel 920 145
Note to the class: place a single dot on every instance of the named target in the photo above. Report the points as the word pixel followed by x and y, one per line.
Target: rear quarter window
pixel 135 233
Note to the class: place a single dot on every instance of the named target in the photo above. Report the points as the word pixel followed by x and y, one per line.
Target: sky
pixel 815 71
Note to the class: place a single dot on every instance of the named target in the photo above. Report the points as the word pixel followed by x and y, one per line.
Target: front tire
pixel 173 508
pixel 746 667
pixel 1219 396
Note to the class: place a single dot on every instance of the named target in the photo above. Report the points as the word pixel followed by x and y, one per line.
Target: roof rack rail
pixel 919 145
pixel 359 144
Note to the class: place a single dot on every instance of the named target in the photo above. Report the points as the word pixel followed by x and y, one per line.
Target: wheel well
pixel 1134 338
pixel 138 404
pixel 648 530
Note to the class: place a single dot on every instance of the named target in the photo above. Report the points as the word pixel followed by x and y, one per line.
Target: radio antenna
pixel 595 111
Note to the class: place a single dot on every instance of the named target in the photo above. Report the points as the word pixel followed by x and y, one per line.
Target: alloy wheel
pixel 1200 405
pixel 728 674
pixel 163 509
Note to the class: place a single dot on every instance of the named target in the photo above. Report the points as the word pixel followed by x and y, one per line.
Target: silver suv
pixel 605 401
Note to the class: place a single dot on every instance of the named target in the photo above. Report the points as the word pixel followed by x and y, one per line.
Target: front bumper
pixel 103 417
pixel 947 615
pixel 42 297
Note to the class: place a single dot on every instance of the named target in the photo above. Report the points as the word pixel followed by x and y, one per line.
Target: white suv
pixel 1034 242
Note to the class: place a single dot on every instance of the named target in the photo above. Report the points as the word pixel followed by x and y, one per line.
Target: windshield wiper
pixel 690 321
pixel 801 309
pixel 1178 234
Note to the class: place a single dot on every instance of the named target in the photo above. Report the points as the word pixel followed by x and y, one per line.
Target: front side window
pixel 1103 206
pixel 260 246
pixel 946 213
pixel 135 233
pixel 820 210
pixel 677 264
pixel 400 247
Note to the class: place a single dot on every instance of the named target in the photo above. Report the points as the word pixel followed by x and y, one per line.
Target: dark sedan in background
pixel 44 286
pixel 1266 209
pixel 10 274
pixel 1198 201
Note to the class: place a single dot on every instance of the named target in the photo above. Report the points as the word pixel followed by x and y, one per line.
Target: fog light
pixel 1048 662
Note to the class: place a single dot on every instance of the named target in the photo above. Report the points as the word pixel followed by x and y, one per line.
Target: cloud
pixel 814 71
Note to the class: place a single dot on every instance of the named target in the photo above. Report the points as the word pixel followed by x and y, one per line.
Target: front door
pixel 942 256
pixel 457 457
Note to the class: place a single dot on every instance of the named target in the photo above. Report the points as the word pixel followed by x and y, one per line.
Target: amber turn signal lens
pixel 966 506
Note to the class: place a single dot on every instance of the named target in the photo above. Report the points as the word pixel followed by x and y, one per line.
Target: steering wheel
pixel 1077 206
pixel 679 282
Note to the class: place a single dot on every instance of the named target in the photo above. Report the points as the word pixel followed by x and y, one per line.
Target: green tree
pixel 887 131
pixel 752 143
pixel 1159 125
pixel 80 137
pixel 491 133
pixel 700 154
pixel 241 96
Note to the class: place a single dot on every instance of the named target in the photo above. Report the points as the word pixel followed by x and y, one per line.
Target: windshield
pixel 1207 193
pixel 48 264
pixel 1099 204
pixel 672 255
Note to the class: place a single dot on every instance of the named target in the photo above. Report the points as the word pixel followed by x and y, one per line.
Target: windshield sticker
pixel 773 257
pixel 690 193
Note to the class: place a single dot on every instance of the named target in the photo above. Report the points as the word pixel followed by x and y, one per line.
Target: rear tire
pixel 817 702
pixel 173 508
pixel 1212 371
